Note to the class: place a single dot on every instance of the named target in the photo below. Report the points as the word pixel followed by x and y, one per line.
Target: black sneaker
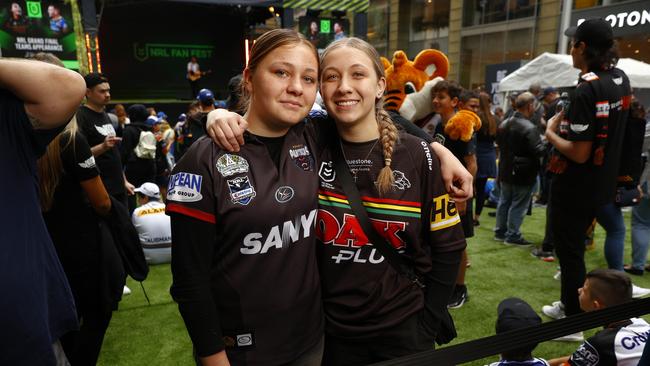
pixel 459 297
pixel 499 237
pixel 631 270
pixel 542 254
pixel 520 242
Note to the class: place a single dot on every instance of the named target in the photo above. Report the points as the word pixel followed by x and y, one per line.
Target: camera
pixel 563 104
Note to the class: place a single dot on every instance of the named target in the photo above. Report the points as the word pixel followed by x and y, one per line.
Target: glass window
pixel 581 4
pixel 492 48
pixel 378 26
pixel 429 26
pixel 636 46
pixel 477 12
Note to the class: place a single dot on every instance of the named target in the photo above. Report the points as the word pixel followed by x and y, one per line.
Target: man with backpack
pixel 138 149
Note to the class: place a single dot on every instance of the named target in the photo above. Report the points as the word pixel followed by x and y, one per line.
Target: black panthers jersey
pixel 362 292
pixel 598 113
pixel 264 275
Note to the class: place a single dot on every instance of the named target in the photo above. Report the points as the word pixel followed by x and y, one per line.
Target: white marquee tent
pixel 550 69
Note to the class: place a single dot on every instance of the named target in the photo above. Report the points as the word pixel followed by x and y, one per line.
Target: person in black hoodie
pixel 138 149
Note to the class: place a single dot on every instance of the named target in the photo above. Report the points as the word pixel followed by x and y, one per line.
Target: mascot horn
pixel 404 77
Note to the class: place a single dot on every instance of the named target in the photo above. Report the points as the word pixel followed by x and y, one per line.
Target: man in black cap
pixel 515 313
pixel 587 139
pixel 96 126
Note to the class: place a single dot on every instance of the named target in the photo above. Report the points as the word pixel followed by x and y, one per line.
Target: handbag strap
pixel 354 198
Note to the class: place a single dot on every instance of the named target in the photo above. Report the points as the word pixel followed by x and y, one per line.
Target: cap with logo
pixel 205 95
pixel 593 32
pixel 149 190
pixel 514 313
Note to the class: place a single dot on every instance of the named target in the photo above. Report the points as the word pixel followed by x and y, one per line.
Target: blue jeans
pixel 512 207
pixel 610 218
pixel 640 231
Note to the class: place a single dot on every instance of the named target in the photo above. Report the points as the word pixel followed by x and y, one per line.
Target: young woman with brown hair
pixel 373 312
pixel 244 266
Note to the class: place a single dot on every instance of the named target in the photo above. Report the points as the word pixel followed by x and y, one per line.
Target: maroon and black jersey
pixel 598 113
pixel 362 293
pixel 263 273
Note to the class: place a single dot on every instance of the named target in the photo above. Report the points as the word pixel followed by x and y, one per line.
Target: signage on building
pixel 494 74
pixel 626 18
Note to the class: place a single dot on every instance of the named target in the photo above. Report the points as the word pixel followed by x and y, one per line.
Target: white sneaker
pixel 555 310
pixel 558 275
pixel 638 292
pixel 127 291
pixel 575 337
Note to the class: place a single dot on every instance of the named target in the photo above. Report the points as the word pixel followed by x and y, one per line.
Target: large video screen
pixel 28 27
pixel 322 31
pixel 145 48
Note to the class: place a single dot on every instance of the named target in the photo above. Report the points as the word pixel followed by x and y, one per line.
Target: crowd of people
pixel 358 216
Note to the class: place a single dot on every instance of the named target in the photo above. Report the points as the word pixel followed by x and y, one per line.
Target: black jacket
pixel 521 149
pixel 120 255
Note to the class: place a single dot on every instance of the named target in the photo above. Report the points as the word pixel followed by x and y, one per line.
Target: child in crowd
pixel 446 96
pixel 619 343
pixel 515 313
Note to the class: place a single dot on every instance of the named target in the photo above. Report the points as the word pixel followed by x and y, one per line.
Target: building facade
pixel 481 36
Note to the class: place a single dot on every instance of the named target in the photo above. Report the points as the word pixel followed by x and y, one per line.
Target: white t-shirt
pixel 192 68
pixel 153 225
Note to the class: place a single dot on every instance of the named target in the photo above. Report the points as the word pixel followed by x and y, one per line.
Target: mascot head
pixel 405 77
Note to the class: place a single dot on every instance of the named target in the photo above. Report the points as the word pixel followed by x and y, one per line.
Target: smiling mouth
pixel 346 103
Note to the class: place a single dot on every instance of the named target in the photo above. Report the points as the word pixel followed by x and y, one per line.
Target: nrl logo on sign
pixel 229 165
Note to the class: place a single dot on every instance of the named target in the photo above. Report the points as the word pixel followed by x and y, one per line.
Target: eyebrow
pixel 288 64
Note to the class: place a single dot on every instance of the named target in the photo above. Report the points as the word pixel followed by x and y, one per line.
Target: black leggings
pixel 405 339
pixel 82 347
pixel 480 195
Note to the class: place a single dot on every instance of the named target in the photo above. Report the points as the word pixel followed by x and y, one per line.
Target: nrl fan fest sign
pixel 29 27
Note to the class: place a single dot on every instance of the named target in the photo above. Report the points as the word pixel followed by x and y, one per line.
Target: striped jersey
pixel 362 293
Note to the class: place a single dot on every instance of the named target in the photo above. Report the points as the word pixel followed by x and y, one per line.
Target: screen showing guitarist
pixel 194 74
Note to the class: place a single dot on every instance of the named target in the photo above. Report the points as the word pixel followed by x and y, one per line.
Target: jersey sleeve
pixel 582 113
pixel 191 184
pixel 78 159
pixel 439 215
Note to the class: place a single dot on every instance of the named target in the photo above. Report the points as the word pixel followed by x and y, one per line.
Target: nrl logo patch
pixel 326 171
pixel 241 190
pixel 229 165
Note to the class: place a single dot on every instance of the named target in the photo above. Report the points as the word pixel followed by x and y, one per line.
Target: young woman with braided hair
pixel 373 313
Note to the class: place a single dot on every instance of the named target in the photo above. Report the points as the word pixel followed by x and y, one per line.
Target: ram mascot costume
pixel 409 85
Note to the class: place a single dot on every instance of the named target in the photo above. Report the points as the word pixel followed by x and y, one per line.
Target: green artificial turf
pixel 142 334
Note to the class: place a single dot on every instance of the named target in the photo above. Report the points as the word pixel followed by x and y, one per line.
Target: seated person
pixel 153 225
pixel 514 314
pixel 620 343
